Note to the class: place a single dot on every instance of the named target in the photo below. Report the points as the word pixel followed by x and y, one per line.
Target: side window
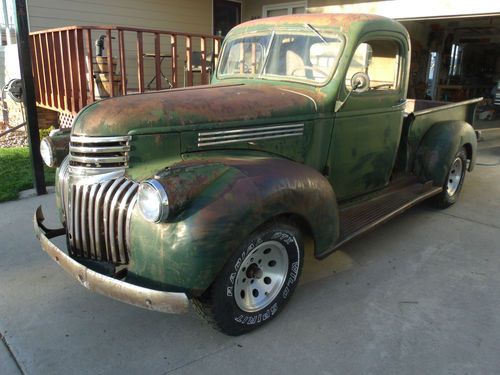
pixel 380 60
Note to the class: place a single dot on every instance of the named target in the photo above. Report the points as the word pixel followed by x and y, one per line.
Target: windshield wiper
pixel 269 45
pixel 317 32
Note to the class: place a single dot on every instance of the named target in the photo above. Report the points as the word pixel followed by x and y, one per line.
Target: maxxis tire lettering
pixel 251 319
pixel 224 306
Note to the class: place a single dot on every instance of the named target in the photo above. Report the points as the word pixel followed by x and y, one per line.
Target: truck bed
pixel 420 115
pixel 425 113
pixel 416 105
pixel 419 107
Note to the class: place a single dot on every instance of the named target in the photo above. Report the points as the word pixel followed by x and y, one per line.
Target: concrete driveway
pixel 418 295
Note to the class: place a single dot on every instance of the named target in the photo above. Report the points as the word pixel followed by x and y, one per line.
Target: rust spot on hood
pixel 197 105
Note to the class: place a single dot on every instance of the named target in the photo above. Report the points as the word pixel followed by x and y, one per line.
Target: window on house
pixel 284 9
pixel 380 60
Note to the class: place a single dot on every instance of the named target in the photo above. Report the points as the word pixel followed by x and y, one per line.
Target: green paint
pixel 226 200
pixel 151 153
pixel 220 193
pixel 439 146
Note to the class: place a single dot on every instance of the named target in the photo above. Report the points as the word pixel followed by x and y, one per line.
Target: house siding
pixel 188 16
pixel 192 16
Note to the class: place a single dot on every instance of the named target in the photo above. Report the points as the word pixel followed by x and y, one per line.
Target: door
pixel 367 128
pixel 227 14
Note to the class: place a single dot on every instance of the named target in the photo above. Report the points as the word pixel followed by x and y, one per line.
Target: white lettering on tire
pixel 263 315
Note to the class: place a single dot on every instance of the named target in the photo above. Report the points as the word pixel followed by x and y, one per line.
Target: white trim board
pixel 422 9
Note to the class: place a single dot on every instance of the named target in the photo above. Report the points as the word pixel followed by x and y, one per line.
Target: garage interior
pixel 455 59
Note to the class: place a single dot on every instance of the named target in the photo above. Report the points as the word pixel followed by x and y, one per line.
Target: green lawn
pixel 15 172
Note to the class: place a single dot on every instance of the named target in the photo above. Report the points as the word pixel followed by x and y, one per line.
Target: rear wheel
pixel 257 281
pixel 454 181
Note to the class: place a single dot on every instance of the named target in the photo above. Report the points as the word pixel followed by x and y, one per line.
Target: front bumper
pixel 150 299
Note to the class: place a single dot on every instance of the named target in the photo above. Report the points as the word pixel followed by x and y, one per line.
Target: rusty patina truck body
pixel 206 193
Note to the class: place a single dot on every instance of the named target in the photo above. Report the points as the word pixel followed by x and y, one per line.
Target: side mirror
pixel 360 82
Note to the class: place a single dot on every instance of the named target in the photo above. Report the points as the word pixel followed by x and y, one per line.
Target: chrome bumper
pixel 168 302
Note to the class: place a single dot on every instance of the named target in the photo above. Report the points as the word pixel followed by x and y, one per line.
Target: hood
pixel 195 105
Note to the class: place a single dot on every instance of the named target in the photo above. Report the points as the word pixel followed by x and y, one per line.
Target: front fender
pixel 221 202
pixel 440 145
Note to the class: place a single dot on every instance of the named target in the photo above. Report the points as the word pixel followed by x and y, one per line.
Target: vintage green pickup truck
pixel 207 193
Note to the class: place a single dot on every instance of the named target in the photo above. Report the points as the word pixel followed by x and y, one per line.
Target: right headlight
pixel 55 147
pixel 47 152
pixel 153 201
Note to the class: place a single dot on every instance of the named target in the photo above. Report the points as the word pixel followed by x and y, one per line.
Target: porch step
pixel 358 218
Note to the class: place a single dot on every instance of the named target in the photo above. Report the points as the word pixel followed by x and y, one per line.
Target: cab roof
pixel 340 21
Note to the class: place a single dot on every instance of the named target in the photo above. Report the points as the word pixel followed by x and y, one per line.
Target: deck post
pixel 23 48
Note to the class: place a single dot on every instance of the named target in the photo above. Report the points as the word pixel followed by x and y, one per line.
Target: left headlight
pixel 153 201
pixel 47 152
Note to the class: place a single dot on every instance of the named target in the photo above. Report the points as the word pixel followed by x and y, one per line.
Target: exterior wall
pixel 9 67
pixel 2 66
pixel 193 16
pixel 47 118
pixel 9 63
pixel 189 16
pixel 15 115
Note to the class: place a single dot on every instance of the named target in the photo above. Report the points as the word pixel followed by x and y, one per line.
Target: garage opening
pixel 455 59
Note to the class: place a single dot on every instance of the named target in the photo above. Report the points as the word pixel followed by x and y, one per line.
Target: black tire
pixel 251 266
pixel 451 191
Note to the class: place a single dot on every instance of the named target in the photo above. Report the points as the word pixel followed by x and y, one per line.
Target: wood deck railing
pixel 64 60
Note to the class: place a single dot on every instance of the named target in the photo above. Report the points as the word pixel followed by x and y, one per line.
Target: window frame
pixel 269 77
pixel 400 66
pixel 288 6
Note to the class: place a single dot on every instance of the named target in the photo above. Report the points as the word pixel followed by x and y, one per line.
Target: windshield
pixel 304 55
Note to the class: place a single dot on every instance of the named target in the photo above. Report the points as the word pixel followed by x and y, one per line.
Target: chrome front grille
pixel 98 217
pixel 99 152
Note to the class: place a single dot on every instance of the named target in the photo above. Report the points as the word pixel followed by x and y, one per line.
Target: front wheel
pixel 256 282
pixel 454 181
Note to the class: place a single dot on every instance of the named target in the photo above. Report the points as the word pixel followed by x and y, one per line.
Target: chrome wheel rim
pixel 454 176
pixel 261 276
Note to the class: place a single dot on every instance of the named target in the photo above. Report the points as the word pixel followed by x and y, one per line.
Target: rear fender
pixel 216 205
pixel 440 145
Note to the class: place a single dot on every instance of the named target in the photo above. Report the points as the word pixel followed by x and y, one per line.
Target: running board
pixel 359 218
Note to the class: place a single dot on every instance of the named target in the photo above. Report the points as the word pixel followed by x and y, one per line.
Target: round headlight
pixel 47 152
pixel 153 201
